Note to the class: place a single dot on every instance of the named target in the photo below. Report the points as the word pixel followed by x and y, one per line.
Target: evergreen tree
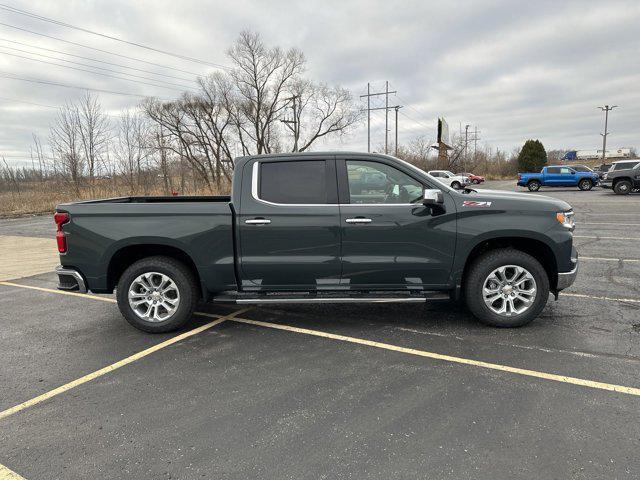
pixel 532 157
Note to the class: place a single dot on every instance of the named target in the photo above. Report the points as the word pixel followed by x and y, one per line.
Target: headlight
pixel 566 219
pixel 605 176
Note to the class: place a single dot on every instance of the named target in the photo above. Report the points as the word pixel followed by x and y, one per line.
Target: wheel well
pixel 128 255
pixel 619 179
pixel 537 249
pixel 532 180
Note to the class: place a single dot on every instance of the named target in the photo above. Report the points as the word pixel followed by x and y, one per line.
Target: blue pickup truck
pixel 558 176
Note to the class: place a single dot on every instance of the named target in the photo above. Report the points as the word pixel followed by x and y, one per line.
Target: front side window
pixel 373 182
pixel 565 171
pixel 293 182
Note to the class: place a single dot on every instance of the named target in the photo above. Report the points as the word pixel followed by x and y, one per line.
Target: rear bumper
pixel 566 279
pixel 70 280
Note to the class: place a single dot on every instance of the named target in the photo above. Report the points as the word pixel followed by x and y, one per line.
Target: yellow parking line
pixel 6 474
pixel 449 358
pixel 110 368
pixel 595 297
pixel 61 292
pixel 605 259
pixel 607 238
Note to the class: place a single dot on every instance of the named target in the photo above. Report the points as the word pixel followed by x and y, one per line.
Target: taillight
pixel 61 218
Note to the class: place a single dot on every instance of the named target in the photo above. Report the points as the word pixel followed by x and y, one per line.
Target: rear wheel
pixel 585 184
pixel 622 187
pixel 475 181
pixel 533 186
pixel 455 185
pixel 506 288
pixel 157 294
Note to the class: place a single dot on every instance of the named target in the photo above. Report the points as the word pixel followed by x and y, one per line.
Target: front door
pixel 389 238
pixel 289 224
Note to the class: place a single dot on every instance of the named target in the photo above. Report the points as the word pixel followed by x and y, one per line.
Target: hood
pixel 517 200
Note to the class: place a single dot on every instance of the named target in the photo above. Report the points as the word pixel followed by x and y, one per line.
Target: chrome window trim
pixel 254 193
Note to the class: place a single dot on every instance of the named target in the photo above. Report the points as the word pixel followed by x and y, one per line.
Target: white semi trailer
pixel 592 154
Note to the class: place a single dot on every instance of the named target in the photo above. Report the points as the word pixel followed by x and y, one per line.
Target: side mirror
pixel 432 197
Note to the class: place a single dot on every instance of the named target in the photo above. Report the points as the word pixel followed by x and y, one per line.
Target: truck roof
pixel 302 155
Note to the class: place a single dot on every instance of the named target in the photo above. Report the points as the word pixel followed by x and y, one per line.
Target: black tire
pixel 487 263
pixel 533 186
pixel 456 185
pixel 585 184
pixel 475 182
pixel 622 187
pixel 183 279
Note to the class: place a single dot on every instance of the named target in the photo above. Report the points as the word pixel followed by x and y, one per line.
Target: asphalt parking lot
pixel 373 391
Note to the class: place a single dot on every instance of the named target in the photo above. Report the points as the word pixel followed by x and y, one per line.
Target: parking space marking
pixel 61 292
pixel 609 223
pixel 448 358
pixel 114 366
pixel 7 474
pixel 595 297
pixel 608 238
pixel 602 259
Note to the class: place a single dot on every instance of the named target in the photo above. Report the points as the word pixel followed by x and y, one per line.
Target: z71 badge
pixel 471 203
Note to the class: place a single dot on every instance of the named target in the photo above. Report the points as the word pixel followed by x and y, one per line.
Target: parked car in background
pixel 475 179
pixel 602 169
pixel 450 179
pixel 623 177
pixel 558 176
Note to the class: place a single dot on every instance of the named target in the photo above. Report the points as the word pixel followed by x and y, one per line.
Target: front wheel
pixel 475 181
pixel 157 294
pixel 456 185
pixel 506 288
pixel 585 184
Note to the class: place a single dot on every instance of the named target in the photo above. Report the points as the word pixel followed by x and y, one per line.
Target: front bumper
pixel 566 279
pixel 70 280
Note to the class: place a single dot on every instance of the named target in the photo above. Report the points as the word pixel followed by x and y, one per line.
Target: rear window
pixel 624 165
pixel 293 182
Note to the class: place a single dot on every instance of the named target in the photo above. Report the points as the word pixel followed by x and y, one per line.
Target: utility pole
pixel 466 150
pixel 397 107
pixel 606 109
pixel 385 108
pixel 293 124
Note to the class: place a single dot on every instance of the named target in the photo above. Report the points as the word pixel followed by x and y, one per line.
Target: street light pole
pixel 606 109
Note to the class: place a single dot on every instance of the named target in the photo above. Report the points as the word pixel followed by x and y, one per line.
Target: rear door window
pixel 553 170
pixel 303 182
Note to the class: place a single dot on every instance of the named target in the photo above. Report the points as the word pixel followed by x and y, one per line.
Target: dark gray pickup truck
pixel 320 227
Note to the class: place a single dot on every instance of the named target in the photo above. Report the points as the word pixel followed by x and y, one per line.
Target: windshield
pixel 451 174
pixel 582 168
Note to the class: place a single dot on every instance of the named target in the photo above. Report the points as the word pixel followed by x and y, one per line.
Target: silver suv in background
pixel 450 179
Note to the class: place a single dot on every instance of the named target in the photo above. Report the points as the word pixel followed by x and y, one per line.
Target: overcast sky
pixel 516 69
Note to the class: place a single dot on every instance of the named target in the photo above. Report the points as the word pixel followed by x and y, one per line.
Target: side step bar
pixel 326 298
pixel 332 300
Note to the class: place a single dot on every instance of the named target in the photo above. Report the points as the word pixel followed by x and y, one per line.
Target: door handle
pixel 258 221
pixel 358 220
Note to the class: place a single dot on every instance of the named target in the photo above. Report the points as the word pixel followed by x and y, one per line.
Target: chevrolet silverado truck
pixel 320 227
pixel 558 176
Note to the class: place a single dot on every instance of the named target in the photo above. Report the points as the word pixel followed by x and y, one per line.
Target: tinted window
pixel 553 170
pixel 623 166
pixel 293 182
pixel 373 182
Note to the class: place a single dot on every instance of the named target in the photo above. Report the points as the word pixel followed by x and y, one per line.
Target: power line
pixel 11 76
pixel 29 103
pixel 89 66
pixel 93 60
pixel 89 71
pixel 97 49
pixel 110 37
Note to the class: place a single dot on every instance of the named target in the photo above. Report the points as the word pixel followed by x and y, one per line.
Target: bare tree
pixel 262 77
pixel 131 148
pixel 93 131
pixel 66 145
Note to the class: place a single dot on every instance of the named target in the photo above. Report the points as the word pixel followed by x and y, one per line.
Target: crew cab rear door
pixel 389 238
pixel 288 222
